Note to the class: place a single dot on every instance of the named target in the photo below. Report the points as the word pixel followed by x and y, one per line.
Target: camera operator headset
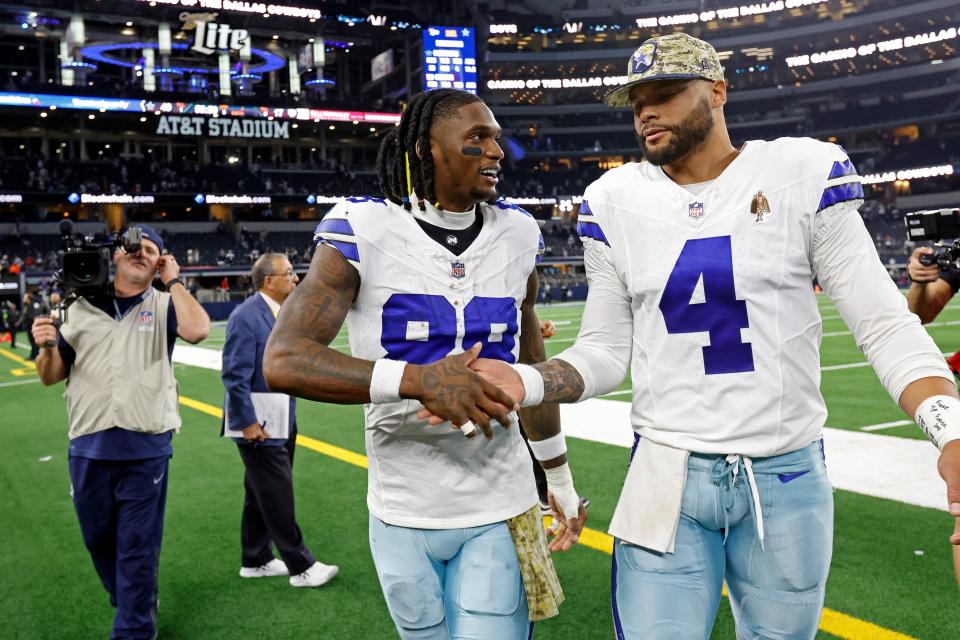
pixel 114 350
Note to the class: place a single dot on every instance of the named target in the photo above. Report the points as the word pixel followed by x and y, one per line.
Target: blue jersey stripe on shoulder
pixel 334 225
pixel 841 169
pixel 591 230
pixel 585 208
pixel 504 205
pixel 348 249
pixel 840 193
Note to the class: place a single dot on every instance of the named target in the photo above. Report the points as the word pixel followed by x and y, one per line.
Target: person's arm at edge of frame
pixel 949 462
pixel 543 421
pixel 299 362
pixel 928 293
pixel 193 323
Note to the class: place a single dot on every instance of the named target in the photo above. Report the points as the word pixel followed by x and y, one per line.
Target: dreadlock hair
pixel 399 168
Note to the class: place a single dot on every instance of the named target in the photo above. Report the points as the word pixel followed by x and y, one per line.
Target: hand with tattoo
pixel 450 390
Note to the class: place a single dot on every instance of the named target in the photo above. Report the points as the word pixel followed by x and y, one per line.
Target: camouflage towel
pixel 540 581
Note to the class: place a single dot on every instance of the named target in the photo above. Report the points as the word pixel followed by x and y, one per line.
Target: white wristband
pixel 532 385
pixel 552 447
pixel 385 381
pixel 939 418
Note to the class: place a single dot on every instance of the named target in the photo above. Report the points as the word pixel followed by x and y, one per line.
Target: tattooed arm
pixel 298 360
pixel 597 363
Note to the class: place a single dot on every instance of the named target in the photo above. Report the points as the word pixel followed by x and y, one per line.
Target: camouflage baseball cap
pixel 673 57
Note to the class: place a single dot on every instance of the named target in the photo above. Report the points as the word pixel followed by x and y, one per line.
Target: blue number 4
pixel 720 314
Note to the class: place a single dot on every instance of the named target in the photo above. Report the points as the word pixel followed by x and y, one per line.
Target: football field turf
pixel 891 575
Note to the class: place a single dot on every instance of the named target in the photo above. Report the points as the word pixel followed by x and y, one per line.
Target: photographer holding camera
pixel 114 350
pixel 931 288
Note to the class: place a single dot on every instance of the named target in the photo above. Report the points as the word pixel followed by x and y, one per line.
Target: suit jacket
pixel 248 329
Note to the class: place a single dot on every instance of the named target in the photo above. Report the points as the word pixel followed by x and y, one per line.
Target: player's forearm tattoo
pixel 561 381
pixel 298 360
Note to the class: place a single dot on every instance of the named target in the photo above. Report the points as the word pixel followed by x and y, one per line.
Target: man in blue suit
pixel 268 508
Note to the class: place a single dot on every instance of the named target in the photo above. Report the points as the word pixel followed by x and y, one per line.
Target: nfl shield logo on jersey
pixel 458 270
pixel 696 210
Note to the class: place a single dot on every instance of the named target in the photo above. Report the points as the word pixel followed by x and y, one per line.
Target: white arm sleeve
pixel 850 272
pixel 603 348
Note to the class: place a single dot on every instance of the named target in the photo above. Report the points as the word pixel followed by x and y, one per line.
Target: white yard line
pixel 886 425
pixel 17 383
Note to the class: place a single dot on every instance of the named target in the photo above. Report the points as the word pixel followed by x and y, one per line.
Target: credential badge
pixel 145 321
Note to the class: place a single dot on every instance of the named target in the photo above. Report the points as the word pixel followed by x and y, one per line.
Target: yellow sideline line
pixel 833 622
pixel 10 354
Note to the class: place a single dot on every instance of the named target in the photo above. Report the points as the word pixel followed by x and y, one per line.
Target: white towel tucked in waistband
pixel 648 512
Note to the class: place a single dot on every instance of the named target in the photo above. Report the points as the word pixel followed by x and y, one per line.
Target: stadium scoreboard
pixel 450 58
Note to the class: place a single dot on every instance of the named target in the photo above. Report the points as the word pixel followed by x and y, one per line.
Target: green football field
pixel 891 576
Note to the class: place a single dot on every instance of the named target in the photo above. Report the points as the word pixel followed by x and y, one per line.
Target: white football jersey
pixel 713 293
pixel 418 302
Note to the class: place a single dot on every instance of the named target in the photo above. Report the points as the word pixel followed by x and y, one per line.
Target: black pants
pixel 538 473
pixel 268 512
pixel 12 328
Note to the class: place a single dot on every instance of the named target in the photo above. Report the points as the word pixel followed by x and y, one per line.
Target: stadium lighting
pixel 91 117
pixel 43 114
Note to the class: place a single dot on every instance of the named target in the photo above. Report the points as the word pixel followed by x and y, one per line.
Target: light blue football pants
pixel 775 591
pixel 459 584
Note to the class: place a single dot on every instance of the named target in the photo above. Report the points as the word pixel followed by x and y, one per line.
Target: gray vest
pixel 122 376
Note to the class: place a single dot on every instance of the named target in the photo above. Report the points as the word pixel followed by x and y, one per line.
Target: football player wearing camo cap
pixel 700 263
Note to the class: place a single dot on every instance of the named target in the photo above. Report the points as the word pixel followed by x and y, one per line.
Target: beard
pixel 691 131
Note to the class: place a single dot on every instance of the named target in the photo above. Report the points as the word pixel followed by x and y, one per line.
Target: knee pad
pixel 414 601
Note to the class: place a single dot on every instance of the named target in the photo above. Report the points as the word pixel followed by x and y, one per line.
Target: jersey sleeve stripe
pixel 334 225
pixel 591 230
pixel 841 169
pixel 840 193
pixel 585 208
pixel 348 249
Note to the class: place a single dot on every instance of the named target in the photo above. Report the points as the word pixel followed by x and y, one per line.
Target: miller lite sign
pixel 212 37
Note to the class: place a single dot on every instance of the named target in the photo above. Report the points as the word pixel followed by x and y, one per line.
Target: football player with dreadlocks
pixel 429 279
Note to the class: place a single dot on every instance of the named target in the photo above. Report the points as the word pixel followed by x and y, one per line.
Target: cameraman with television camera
pixel 935 278
pixel 930 287
pixel 115 350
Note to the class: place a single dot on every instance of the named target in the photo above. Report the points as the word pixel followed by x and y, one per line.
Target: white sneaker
pixel 316 576
pixel 273 568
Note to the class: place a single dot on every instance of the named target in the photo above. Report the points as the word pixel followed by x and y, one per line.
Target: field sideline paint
pixel 833 622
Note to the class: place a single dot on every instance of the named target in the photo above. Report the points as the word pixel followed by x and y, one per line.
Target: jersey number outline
pixel 721 314
pixel 439 317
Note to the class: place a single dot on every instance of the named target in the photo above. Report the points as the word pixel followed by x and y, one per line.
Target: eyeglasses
pixel 289 273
